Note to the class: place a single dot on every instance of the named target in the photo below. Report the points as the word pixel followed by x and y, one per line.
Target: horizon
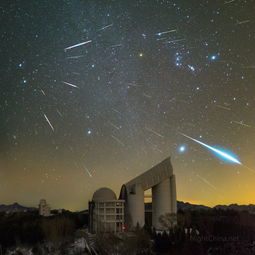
pixel 72 210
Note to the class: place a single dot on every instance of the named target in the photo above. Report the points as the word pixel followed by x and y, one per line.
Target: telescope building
pixel 107 213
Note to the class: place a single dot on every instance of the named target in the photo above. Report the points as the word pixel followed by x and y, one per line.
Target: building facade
pixel 106 212
pixel 44 208
pixel 161 180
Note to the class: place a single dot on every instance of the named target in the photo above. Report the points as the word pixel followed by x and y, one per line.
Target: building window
pixel 118 217
pixel 101 210
pixel 110 204
pixel 119 210
pixel 110 217
pixel 110 211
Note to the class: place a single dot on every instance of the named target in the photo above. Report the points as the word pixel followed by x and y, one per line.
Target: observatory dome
pixel 104 194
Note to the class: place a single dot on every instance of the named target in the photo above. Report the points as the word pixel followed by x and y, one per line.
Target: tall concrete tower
pixel 44 208
pixel 161 180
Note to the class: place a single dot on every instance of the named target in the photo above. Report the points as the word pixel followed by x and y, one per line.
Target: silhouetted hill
pixel 181 206
pixel 15 207
pixel 187 206
pixel 236 207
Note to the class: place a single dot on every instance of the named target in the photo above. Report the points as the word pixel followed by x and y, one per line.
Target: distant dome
pixel 104 194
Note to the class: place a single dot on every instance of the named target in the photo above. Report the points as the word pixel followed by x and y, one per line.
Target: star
pixel 182 148
pixel 214 57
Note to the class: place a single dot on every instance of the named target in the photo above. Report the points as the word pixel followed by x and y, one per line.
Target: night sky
pixel 74 119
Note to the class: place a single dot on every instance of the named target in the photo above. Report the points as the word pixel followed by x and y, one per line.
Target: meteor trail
pixel 228 2
pixel 146 95
pixel 48 122
pixel 241 123
pixel 154 132
pixel 43 92
pixel 110 123
pixel 77 45
pixel 166 32
pixel 134 85
pixel 60 114
pixel 223 107
pixel 207 182
pixel 87 170
pixel 115 45
pixel 163 38
pixel 75 57
pixel 103 28
pixel 118 140
pixel 177 40
pixel 155 147
pixel 70 84
pixel 243 22
pixel 222 154
pixel 116 111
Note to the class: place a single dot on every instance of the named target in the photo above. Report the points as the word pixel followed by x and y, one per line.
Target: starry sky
pixel 93 93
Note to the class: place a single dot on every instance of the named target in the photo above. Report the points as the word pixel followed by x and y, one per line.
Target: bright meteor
pixel 70 84
pixel 77 45
pixel 166 32
pixel 48 121
pixel 222 154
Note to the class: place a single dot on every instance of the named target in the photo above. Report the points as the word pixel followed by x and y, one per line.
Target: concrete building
pixel 44 208
pixel 106 212
pixel 161 180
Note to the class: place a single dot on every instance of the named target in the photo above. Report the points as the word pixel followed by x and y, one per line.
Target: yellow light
pixel 141 54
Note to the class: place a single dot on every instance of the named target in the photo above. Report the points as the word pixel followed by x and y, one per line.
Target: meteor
pixel 48 122
pixel 228 2
pixel 175 41
pixel 146 95
pixel 241 123
pixel 115 45
pixel 154 132
pixel 103 28
pixel 77 45
pixel 43 92
pixel 161 39
pixel 223 107
pixel 116 111
pixel 70 84
pixel 60 114
pixel 243 22
pixel 88 172
pixel 207 182
pixel 224 155
pixel 117 140
pixel 110 123
pixel 166 32
pixel 75 57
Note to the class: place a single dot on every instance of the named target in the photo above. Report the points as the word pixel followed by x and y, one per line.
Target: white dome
pixel 104 194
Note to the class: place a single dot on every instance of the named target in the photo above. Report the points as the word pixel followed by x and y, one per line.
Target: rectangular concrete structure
pixel 161 180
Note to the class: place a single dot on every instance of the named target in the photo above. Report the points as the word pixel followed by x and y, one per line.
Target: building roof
pixel 104 194
pixel 153 176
